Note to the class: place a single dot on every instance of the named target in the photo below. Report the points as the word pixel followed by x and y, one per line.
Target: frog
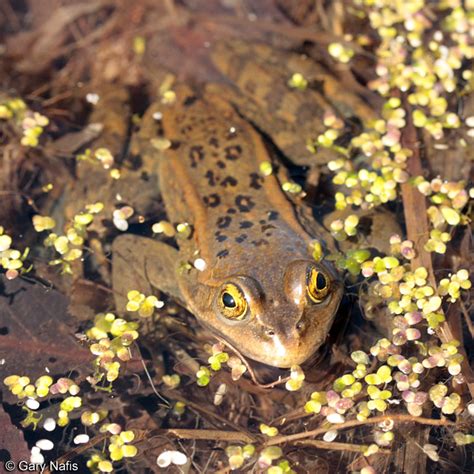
pixel 257 285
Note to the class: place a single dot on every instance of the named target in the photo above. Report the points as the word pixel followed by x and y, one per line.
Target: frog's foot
pixel 140 263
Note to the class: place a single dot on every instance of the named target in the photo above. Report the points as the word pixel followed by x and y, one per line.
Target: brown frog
pixel 257 286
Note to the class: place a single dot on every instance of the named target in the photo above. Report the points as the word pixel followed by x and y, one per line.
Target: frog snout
pixel 287 330
pixel 287 348
pixel 287 335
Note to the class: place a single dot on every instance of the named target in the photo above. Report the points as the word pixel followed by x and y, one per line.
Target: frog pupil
pixel 228 300
pixel 320 281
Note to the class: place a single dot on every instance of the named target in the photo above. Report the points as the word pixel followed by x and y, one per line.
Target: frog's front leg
pixel 140 263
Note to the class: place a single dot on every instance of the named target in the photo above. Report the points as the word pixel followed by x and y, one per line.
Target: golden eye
pixel 317 285
pixel 232 302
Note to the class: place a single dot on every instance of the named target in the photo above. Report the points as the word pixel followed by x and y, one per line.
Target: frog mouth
pixel 274 354
pixel 286 355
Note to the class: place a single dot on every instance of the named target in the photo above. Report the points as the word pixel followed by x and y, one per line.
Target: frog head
pixel 279 315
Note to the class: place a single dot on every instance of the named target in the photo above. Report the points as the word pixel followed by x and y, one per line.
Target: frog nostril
pixel 270 332
pixel 300 326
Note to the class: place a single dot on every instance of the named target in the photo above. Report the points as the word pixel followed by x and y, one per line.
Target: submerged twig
pixel 195 434
pixel 414 206
pixel 401 418
pixel 332 446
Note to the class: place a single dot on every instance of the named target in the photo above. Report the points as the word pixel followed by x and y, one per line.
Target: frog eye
pixel 317 285
pixel 232 302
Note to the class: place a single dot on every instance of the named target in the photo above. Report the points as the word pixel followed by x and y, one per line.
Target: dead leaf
pixel 36 332
pixel 12 443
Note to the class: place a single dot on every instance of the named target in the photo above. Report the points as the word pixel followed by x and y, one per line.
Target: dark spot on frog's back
pixel 196 154
pixel 241 238
pixel 232 152
pixel 244 203
pixel 189 100
pixel 255 181
pixel 231 134
pixel 211 179
pixel 229 181
pixel 223 222
pixel 214 142
pixel 222 253
pixel 220 237
pixel 246 224
pixel 220 164
pixel 213 200
pixel 273 215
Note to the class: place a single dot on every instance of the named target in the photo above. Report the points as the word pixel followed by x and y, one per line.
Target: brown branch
pixel 200 410
pixel 214 435
pixel 401 418
pixel 293 415
pixel 416 218
pixel 331 446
